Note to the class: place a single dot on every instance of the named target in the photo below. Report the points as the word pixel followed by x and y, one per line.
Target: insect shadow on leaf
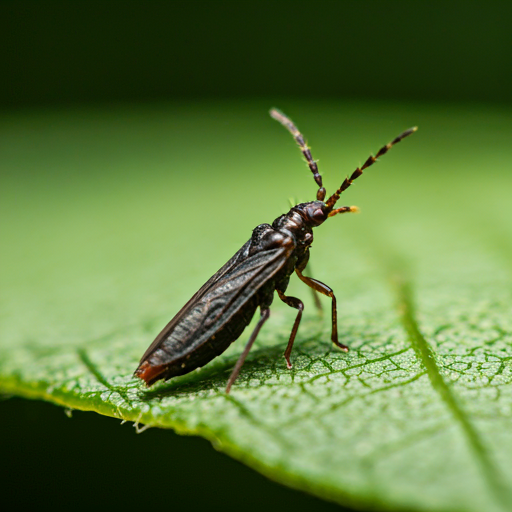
pixel 223 307
pixel 262 364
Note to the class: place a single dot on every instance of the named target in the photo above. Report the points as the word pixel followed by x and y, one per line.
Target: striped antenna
pixel 371 160
pixel 288 124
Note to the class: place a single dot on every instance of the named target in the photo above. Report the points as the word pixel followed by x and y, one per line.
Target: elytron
pixel 219 312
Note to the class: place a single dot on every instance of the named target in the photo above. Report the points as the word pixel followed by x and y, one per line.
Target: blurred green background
pixel 122 88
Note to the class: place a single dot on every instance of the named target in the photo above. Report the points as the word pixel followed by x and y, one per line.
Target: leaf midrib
pixel 426 355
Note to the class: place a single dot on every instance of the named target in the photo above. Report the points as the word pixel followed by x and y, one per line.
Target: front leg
pixel 325 290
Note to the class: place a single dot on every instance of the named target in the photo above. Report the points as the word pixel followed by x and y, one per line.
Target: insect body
pixel 219 312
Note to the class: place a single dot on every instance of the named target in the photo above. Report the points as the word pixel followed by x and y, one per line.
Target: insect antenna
pixel 371 160
pixel 287 123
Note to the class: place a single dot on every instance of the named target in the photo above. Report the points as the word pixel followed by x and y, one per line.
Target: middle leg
pixel 325 290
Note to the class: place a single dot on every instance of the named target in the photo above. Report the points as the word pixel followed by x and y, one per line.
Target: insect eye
pixel 318 215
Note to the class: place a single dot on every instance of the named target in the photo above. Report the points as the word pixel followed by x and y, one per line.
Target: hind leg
pixel 265 313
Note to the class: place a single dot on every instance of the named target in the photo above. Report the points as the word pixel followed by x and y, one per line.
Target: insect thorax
pixel 295 224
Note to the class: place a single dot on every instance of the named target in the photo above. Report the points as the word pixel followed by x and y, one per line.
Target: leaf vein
pixel 426 355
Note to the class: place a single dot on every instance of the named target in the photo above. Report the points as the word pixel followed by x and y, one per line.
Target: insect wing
pixel 238 257
pixel 219 299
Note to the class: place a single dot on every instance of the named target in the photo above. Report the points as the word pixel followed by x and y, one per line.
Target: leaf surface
pixel 111 221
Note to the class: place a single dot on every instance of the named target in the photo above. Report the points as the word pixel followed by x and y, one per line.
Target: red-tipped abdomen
pixel 150 374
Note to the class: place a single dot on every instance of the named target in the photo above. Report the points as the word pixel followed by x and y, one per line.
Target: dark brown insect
pixel 219 312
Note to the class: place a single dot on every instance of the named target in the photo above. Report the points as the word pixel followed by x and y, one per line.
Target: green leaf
pixel 112 220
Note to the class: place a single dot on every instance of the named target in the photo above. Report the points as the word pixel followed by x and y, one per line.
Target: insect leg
pixel 297 304
pixel 265 313
pixel 325 290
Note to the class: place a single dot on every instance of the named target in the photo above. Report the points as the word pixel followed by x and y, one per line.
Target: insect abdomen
pixel 162 365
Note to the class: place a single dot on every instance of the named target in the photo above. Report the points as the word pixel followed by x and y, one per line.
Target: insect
pixel 220 311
